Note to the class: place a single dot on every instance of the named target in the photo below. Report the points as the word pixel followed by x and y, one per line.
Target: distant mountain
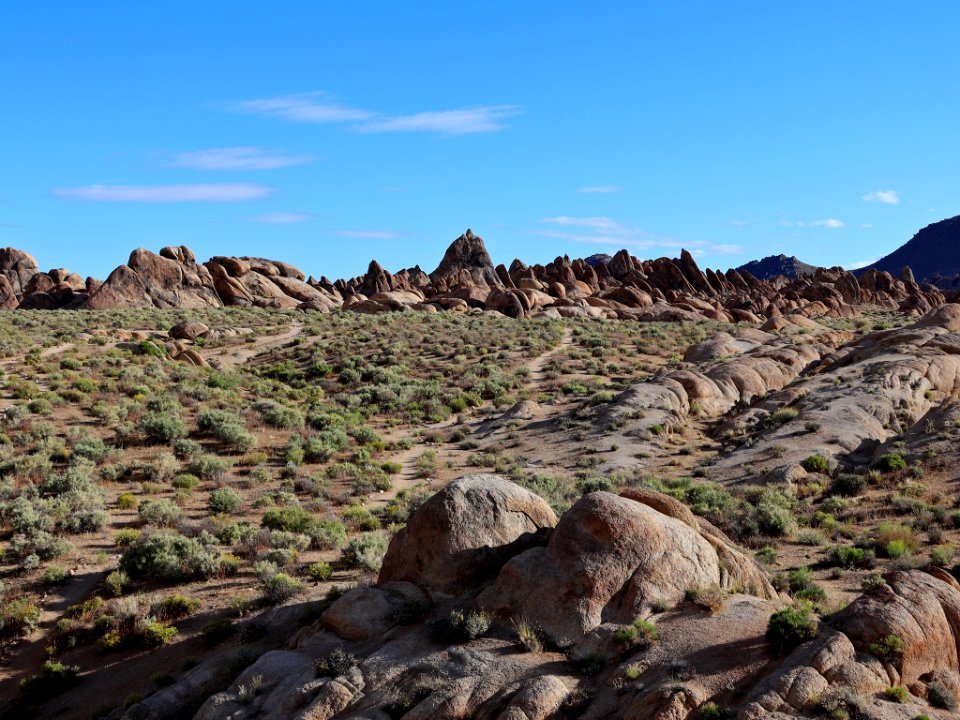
pixel 933 253
pixel 774 265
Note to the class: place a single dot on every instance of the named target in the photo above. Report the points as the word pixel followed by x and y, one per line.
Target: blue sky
pixel 326 134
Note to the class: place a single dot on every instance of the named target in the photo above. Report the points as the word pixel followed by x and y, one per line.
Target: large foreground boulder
pixel 610 559
pixel 463 534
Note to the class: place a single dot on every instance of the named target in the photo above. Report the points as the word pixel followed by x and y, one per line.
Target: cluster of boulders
pixel 485 548
pixel 620 286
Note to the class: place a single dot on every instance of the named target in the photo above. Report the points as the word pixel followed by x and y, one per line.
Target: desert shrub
pixel 896 537
pixel 226 427
pixel 890 648
pixel 216 631
pixel 528 635
pixel 226 501
pixel 159 512
pixel 156 634
pixel 115 582
pixel 208 467
pixel 337 662
pixel 279 587
pixel 169 556
pixel 790 627
pixel 127 501
pixel 19 616
pixel 162 427
pixel 816 464
pixel 940 696
pixel 640 632
pixel 463 626
pixel 848 484
pixel 851 557
pixel 54 678
pixel 327 534
pixel 942 555
pixel 320 571
pixel 782 415
pixel 279 416
pixel 175 606
pixel 186 448
pixel 291 518
pixel 365 551
pixel 774 518
pixel 890 462
pixel 712 711
pixel 185 481
pixel 896 693
pixel 712 598
pixel 54 575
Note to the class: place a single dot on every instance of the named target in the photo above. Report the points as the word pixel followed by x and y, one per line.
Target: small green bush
pixel 366 551
pixel 888 648
pixel 791 627
pixel 175 606
pixel 890 462
pixel 162 427
pixel 320 571
pixel 157 634
pixel 848 484
pixel 896 694
pixel 940 696
pixel 226 501
pixel 816 464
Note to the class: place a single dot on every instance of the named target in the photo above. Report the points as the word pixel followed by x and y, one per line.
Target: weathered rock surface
pixel 610 559
pixel 462 535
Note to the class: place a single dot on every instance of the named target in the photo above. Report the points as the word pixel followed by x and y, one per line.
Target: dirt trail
pixel 536 366
pixel 25 656
pixel 408 477
pixel 230 357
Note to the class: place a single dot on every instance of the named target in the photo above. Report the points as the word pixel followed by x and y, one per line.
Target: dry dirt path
pixel 25 656
pixel 409 477
pixel 536 366
pixel 230 357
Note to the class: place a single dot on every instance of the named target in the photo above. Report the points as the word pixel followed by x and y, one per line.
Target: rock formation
pixel 609 560
pixel 617 287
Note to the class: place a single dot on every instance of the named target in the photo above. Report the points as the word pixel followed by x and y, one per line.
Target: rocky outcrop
pixel 171 279
pixel 463 535
pixel 617 287
pixel 466 263
pixel 610 560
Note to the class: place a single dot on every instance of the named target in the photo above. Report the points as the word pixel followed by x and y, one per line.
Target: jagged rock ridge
pixel 618 287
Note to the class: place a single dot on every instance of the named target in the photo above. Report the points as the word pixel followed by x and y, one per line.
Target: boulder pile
pixel 619 286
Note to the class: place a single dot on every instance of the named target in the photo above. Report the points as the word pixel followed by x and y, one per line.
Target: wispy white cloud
pixel 238 158
pixel 368 234
pixel 887 197
pixel 860 264
pixel 832 223
pixel 594 223
pixel 214 192
pixel 866 226
pixel 282 218
pixel 318 107
pixel 315 107
pixel 607 231
pixel 446 122
pixel 599 189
